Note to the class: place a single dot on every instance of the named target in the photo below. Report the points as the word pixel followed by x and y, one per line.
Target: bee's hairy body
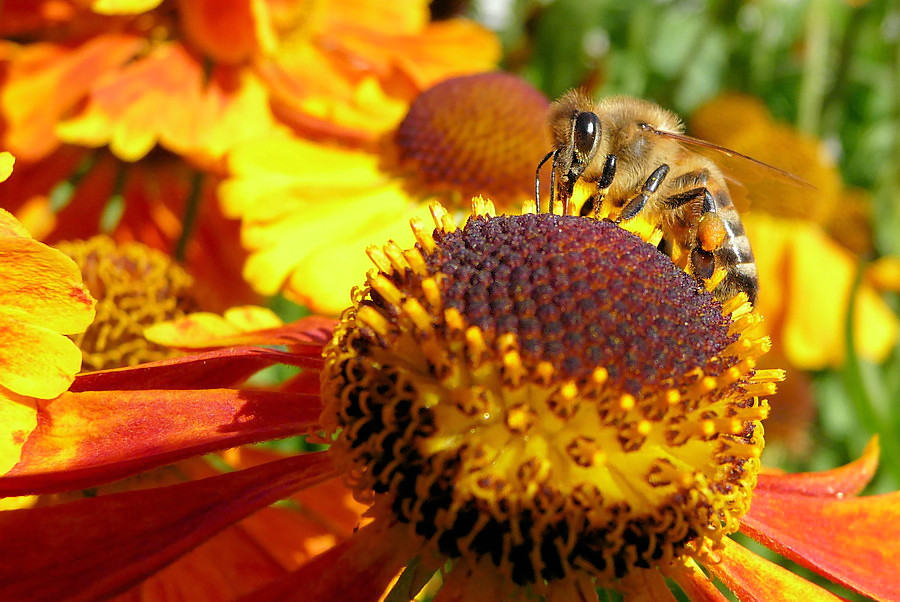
pixel 619 147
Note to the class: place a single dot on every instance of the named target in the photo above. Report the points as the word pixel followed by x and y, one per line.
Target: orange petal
pixel 93 548
pixel 45 82
pixel 752 577
pixel 851 541
pixel 223 29
pixel 358 569
pixel 42 286
pixel 221 368
pixel 695 583
pixel 646 586
pixel 83 439
pixel 839 482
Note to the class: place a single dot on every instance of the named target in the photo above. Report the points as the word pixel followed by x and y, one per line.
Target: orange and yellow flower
pixel 468 135
pixel 122 113
pixel 454 403
pixel 42 299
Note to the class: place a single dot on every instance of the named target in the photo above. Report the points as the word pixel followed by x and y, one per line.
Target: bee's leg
pixel 634 206
pixel 537 181
pixel 595 201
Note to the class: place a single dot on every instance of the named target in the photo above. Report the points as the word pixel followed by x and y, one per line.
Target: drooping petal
pixel 754 578
pixel 850 541
pixel 839 482
pixel 83 439
pixel 259 548
pixel 221 368
pixel 358 569
pixel 94 548
pixel 248 325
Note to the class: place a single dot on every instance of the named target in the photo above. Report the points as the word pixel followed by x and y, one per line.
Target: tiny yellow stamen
pixel 422 234
pixel 626 402
pixel 395 255
pixel 385 287
pixel 433 294
pixel 382 263
pixel 416 261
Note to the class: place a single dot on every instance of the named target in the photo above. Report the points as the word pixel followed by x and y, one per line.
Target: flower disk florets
pixel 548 394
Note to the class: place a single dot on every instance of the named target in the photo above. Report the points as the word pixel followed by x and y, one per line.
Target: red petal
pixel 851 541
pixel 211 369
pixel 752 578
pixel 96 547
pixel 83 439
pixel 844 481
pixel 358 569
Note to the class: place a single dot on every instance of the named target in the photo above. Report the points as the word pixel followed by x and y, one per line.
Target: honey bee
pixel 636 160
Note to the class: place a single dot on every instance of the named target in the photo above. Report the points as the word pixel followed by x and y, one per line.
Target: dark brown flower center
pixel 548 393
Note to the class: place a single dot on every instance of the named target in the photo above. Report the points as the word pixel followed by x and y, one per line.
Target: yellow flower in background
pixel 807 253
pixel 308 210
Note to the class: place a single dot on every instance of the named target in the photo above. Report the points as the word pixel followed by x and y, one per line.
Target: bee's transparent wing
pixel 747 178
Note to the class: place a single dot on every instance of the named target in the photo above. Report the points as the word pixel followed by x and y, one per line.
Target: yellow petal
pixel 42 286
pixel 35 361
pixel 18 418
pixel 805 284
pixel 6 165
pixel 123 7
pixel 204 329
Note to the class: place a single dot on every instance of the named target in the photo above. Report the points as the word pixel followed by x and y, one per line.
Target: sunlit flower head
pixel 136 287
pixel 482 133
pixel 531 404
pixel 571 401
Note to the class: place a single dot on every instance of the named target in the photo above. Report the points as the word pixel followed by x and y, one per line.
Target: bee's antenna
pixel 537 180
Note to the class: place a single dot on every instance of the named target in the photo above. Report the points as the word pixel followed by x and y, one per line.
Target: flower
pixel 42 299
pixel 522 418
pixel 122 113
pixel 482 133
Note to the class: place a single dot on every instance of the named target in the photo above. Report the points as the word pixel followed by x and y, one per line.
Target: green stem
pixel 189 220
pixel 815 67
pixel 865 404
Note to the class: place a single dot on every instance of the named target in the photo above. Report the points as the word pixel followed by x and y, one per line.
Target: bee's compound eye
pixel 586 132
